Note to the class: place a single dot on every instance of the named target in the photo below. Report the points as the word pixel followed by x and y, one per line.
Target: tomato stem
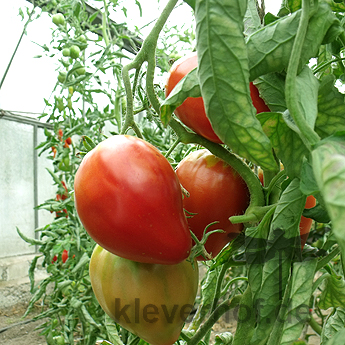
pixel 214 317
pixel 146 53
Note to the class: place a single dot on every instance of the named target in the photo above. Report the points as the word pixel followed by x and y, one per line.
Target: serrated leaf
pixel 334 323
pixel 333 294
pixel 331 108
pixel 329 170
pixel 298 310
pixel 224 80
pixel 278 39
pixel 188 86
pixel 287 144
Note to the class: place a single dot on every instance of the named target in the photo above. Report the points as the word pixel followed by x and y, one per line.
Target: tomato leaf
pixel 333 294
pixel 188 86
pixel 278 39
pixel 224 80
pixel 307 90
pixel 272 91
pixel 329 170
pixel 252 20
pixel 191 3
pixel 298 309
pixel 287 144
pixel 283 241
pixel 337 339
pixel 112 332
pixel 331 107
pixel 334 324
pixel 256 243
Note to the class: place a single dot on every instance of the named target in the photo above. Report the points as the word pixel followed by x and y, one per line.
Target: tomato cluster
pixel 129 199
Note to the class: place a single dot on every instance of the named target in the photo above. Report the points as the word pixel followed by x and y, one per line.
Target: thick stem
pixel 308 135
pixel 214 317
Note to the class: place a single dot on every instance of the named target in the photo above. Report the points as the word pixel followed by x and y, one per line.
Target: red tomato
pixel 60 134
pixel 217 192
pixel 258 102
pixel 54 259
pixel 192 111
pixel 64 256
pixel 68 141
pixel 306 223
pixel 129 200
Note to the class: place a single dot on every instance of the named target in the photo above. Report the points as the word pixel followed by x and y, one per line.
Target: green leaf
pixel 188 86
pixel 283 242
pixel 225 338
pixel 333 294
pixel 112 332
pixel 191 3
pixel 32 241
pixel 272 90
pixel 278 39
pixel 334 324
pixel 307 92
pixel 287 144
pixel 208 288
pixel 251 20
pixel 337 339
pixel 298 310
pixel 256 243
pixel 294 5
pixel 224 80
pixel 331 107
pixel 329 170
pixel 84 260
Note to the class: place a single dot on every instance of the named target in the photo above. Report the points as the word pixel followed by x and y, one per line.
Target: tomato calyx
pixel 199 247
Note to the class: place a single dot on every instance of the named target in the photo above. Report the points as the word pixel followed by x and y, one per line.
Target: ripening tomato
pixel 192 111
pixel 257 101
pixel 216 192
pixel 64 256
pixel 129 200
pixel 306 223
pixel 152 301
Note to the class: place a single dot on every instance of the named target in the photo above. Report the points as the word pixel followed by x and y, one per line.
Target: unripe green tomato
pixel 150 300
pixel 62 77
pixel 58 19
pixel 59 340
pixel 66 52
pixel 80 71
pixel 74 52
